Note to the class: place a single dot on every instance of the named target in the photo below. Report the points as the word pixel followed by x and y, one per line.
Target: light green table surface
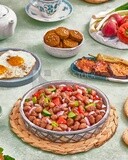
pixel 28 35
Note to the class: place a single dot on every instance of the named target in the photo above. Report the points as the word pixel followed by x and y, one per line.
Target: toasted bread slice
pixel 111 59
pixel 118 70
pixel 86 65
pixel 101 68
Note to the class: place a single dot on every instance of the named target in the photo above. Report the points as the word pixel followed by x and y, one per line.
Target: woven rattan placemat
pixel 107 131
pixel 125 133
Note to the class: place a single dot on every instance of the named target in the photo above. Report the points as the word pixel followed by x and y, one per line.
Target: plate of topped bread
pixel 103 67
pixel 18 67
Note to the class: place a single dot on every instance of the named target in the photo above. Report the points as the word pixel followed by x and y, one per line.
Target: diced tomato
pixel 56 101
pixel 81 110
pixel 61 120
pixel 122 33
pixel 124 20
pixel 79 96
pixel 75 87
pixel 96 97
pixel 37 94
pixel 67 88
pixel 93 92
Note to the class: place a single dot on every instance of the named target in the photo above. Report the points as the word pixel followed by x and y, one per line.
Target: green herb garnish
pixel 122 7
pixel 7 157
pixel 1 150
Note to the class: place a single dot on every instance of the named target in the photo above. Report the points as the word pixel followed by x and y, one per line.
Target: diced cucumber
pixel 91 104
pixel 27 100
pixel 52 89
pixel 71 114
pixel 34 99
pixel 89 90
pixel 76 103
pixel 54 124
pixel 46 113
pixel 47 100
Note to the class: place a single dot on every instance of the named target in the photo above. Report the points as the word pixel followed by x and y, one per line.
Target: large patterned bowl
pixel 64 136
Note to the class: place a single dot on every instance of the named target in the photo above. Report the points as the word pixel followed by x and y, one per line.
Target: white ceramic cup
pixel 47 8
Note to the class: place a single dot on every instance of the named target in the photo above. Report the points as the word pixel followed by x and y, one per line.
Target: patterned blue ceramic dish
pixel 82 74
pixel 64 11
pixel 15 82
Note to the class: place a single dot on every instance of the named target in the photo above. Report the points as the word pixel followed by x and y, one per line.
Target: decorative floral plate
pixel 64 12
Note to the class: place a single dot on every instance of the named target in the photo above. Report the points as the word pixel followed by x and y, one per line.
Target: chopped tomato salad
pixel 64 107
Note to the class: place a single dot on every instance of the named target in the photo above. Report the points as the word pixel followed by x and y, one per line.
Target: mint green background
pixel 28 35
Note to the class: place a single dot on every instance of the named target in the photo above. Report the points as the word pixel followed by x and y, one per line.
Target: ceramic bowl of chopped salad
pixel 64 111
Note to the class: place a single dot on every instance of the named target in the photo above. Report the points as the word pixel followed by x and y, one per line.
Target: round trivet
pixel 125 133
pixel 125 136
pixel 96 1
pixel 107 131
pixel 126 107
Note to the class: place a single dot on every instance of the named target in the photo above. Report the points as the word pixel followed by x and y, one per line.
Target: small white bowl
pixel 63 52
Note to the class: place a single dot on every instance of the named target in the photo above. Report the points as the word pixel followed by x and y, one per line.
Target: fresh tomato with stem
pixel 124 20
pixel 122 33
